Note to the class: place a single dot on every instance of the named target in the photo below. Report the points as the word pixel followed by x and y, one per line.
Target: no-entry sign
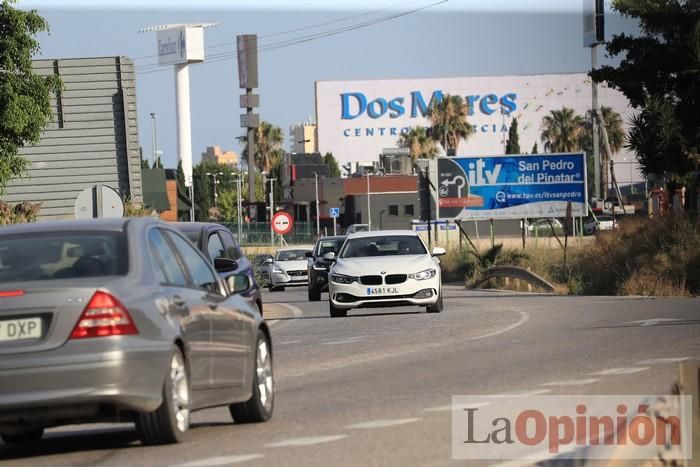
pixel 282 223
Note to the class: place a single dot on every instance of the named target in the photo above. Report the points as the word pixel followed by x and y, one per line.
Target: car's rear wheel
pixel 314 295
pixel 437 306
pixel 24 437
pixel 260 405
pixel 337 312
pixel 169 423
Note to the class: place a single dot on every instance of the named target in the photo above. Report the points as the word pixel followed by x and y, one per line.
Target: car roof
pixel 112 224
pixel 293 248
pixel 332 237
pixel 382 233
pixel 193 226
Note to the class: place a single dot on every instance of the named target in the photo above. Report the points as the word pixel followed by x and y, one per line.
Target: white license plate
pixel 18 329
pixel 382 291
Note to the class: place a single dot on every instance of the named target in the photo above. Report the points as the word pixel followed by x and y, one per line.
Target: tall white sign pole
pixel 184 127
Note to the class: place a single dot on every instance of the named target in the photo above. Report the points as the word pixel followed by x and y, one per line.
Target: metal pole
pixel 335 232
pixel 596 145
pixel 184 127
pixel 239 217
pixel 154 138
pixel 251 155
pixel 491 233
pixel 272 210
pixel 318 213
pixel 369 209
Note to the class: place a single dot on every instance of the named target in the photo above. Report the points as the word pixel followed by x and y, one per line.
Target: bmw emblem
pixel 383 272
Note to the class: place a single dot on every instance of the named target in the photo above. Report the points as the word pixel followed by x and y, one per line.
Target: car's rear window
pixel 62 255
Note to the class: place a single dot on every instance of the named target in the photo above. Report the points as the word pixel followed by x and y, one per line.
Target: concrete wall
pixel 93 137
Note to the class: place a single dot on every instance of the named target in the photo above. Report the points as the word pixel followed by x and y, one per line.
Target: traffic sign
pixel 335 212
pixel 282 223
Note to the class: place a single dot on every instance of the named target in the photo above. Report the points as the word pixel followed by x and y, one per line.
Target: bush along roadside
pixel 653 257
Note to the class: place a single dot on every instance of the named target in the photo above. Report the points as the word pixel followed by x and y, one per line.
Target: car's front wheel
pixel 337 312
pixel 314 295
pixel 437 306
pixel 169 423
pixel 259 407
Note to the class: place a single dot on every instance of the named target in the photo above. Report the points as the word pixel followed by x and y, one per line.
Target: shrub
pixel 21 213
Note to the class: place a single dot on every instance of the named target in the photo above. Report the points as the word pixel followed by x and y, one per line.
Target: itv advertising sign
pixel 512 186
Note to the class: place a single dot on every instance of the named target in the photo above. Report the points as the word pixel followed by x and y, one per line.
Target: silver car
pixel 122 319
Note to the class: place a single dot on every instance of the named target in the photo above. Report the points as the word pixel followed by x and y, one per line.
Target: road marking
pixel 653 321
pixel 383 423
pixel 620 371
pixel 661 361
pixel 308 441
pixel 295 310
pixel 457 407
pixel 571 382
pixel 289 342
pixel 524 316
pixel 221 460
pixel 347 340
pixel 536 392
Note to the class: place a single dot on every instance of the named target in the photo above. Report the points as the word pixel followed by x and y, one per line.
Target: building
pixel 218 156
pixel 92 138
pixel 357 120
pixel 303 138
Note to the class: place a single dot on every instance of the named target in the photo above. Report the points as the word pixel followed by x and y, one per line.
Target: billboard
pixel 180 45
pixel 512 186
pixel 358 119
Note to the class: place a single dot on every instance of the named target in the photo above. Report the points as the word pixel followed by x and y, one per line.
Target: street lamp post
pixel 155 138
pixel 272 209
pixel 216 182
pixel 369 209
pixel 318 213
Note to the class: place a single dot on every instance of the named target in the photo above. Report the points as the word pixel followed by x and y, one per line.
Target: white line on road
pixel 308 441
pixel 524 316
pixel 295 310
pixel 348 340
pixel 662 361
pixel 383 423
pixel 653 321
pixel 536 392
pixel 620 371
pixel 221 460
pixel 457 407
pixel 571 382
pixel 289 342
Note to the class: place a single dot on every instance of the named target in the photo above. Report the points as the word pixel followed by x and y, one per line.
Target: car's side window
pixel 232 250
pixel 201 272
pixel 164 261
pixel 215 248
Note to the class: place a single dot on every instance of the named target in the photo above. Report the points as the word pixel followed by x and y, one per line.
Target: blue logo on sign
pixel 335 212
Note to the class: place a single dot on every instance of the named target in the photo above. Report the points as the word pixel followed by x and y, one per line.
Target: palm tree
pixel 448 120
pixel 419 143
pixel 268 146
pixel 616 137
pixel 562 131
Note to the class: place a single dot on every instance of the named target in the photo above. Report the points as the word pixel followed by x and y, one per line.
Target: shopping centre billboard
pixel 357 119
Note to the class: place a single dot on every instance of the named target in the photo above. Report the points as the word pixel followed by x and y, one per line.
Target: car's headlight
pixel 423 275
pixel 277 270
pixel 320 268
pixel 342 279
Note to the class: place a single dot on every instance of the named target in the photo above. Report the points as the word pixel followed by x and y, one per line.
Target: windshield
pixel 383 246
pixel 328 246
pixel 291 255
pixel 64 255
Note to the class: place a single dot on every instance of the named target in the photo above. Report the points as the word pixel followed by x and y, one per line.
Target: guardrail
pixel 514 272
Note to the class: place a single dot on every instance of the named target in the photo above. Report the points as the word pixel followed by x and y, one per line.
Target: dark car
pixel 318 266
pixel 122 320
pixel 217 242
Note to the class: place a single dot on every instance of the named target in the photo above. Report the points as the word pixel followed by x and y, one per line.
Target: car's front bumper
pixel 124 374
pixel 410 292
pixel 283 279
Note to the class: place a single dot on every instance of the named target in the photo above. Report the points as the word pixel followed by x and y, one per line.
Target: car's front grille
pixel 371 280
pixel 296 273
pixel 395 278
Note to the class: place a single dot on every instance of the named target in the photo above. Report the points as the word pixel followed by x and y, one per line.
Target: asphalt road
pixel 374 389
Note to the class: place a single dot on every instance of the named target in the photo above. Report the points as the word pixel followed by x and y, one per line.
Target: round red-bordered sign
pixel 282 223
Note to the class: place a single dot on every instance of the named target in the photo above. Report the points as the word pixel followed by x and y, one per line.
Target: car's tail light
pixel 104 316
pixel 11 293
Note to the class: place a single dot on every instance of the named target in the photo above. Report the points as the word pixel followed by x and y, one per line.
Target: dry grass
pixel 652 285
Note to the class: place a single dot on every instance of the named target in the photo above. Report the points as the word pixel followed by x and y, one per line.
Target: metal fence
pixel 259 233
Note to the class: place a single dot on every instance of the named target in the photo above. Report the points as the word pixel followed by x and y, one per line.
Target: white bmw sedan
pixel 385 268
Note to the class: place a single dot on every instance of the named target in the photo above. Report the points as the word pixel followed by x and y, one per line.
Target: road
pixel 374 389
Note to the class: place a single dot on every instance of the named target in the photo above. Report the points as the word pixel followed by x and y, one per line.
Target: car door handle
pixel 179 302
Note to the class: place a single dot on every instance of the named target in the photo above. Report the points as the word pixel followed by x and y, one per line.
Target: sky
pixel 448 38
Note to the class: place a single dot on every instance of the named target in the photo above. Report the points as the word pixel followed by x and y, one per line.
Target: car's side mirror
pixel 330 256
pixel 238 283
pixel 309 254
pixel 225 265
pixel 438 251
pixel 268 261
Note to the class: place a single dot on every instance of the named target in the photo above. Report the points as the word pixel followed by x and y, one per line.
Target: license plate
pixel 18 329
pixel 382 290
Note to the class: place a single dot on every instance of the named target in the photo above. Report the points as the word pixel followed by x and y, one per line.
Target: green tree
pixel 616 138
pixel 332 163
pixel 512 145
pixel 660 74
pixel 268 146
pixel 25 97
pixel 562 131
pixel 419 143
pixel 448 120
